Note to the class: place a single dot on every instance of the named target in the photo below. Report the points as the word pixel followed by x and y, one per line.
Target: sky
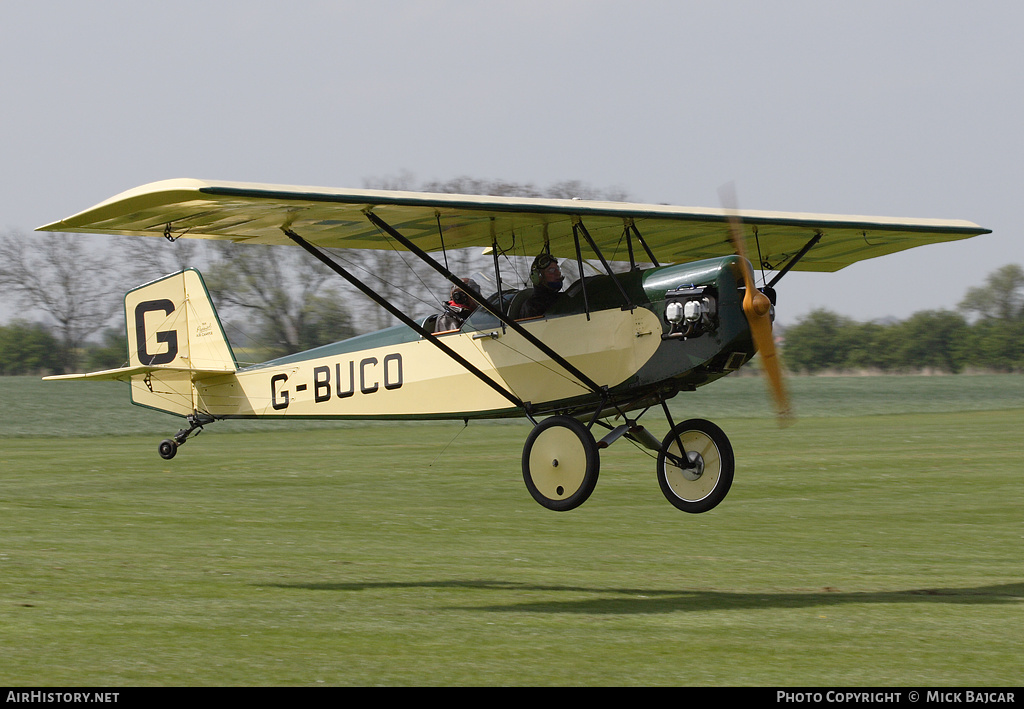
pixel 894 108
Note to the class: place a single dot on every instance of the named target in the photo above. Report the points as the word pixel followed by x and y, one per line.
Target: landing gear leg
pixel 169 446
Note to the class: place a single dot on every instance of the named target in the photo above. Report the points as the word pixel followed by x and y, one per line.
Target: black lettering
pixel 277 403
pixel 351 379
pixel 321 384
pixel 168 337
pixel 363 386
pixel 396 381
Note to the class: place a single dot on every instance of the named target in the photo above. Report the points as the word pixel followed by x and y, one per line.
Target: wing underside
pixel 331 218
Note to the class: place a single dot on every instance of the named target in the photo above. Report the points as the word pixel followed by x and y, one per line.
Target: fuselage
pixel 633 351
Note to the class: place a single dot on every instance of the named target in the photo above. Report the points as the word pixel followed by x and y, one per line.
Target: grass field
pixel 877 542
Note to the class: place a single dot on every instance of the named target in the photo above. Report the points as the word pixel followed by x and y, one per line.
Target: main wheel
pixel 560 463
pixel 701 487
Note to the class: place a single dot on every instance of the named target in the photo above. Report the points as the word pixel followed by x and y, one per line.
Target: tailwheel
pixel 168 448
pixel 560 463
pixel 700 480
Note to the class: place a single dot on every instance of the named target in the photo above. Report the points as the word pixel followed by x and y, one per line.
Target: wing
pixel 333 218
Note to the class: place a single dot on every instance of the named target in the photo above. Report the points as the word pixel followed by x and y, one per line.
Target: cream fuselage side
pixel 416 379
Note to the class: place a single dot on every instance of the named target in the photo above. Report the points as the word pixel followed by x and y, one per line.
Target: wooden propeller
pixel 757 308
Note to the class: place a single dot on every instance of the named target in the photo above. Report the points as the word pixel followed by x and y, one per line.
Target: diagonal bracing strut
pixel 428 336
pixel 496 311
pixel 793 261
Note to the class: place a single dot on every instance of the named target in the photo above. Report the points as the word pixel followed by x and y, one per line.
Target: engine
pixel 690 311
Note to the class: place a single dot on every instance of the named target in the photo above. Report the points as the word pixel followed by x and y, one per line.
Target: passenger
pixel 458 308
pixel 547 282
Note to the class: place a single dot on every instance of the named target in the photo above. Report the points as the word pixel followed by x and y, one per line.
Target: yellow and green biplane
pixel 673 307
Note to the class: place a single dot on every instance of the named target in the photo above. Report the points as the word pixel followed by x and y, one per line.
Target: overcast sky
pixel 891 108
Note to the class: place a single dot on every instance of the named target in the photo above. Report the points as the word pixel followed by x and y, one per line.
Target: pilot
pixel 458 308
pixel 547 282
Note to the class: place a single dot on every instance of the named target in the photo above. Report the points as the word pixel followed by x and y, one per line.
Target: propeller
pixel 757 308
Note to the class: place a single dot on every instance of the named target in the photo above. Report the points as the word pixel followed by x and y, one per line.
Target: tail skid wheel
pixel 560 463
pixel 168 448
pixel 701 487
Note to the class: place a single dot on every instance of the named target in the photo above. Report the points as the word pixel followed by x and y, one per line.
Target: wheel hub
pixel 696 468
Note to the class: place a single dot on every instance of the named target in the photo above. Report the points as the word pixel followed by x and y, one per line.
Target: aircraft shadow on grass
pixel 645 601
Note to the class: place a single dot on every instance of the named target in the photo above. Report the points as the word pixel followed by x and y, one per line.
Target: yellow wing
pixel 336 218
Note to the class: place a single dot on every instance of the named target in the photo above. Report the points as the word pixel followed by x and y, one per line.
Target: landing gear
pixel 700 480
pixel 169 446
pixel 560 463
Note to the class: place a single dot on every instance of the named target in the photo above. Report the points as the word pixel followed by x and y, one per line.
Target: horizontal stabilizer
pixel 124 374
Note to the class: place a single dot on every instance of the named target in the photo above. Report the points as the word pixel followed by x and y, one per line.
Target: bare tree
pixel 150 258
pixel 285 292
pixel 396 276
pixel 565 189
pixel 473 185
pixel 66 278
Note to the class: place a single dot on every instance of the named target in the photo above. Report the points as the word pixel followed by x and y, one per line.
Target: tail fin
pixel 172 323
pixel 174 339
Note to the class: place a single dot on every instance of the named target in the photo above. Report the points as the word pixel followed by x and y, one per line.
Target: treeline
pixel 986 333
pixel 33 348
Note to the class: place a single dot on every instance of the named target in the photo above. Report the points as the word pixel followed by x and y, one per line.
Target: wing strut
pixel 428 336
pixel 586 235
pixel 793 261
pixel 496 311
pixel 497 274
pixel 650 254
pixel 579 265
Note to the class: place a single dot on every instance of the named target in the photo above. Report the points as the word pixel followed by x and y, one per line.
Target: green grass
pixel 877 542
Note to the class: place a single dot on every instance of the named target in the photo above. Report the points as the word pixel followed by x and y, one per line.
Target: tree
pixel 146 259
pixel 818 341
pixel 995 344
pixel 111 353
pixel 285 292
pixel 996 338
pixel 931 339
pixel 867 346
pixel 1001 297
pixel 66 278
pixel 565 189
pixel 326 320
pixel 26 348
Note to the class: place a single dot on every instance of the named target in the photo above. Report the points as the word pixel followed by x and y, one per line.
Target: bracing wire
pixel 465 425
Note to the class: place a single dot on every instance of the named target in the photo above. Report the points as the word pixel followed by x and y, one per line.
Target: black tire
pixel 560 463
pixel 703 487
pixel 167 448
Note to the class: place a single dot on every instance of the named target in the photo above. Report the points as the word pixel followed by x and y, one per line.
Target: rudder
pixel 174 334
pixel 172 322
